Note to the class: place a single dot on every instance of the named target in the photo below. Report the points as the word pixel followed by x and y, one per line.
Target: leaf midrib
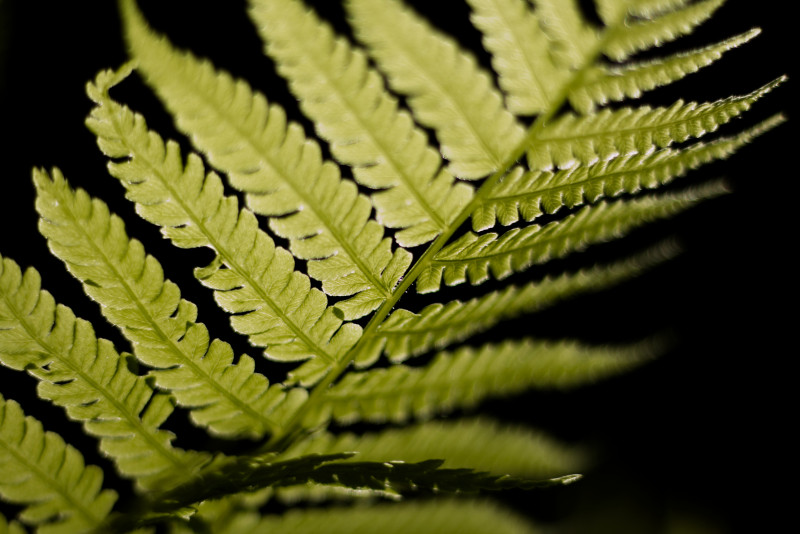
pixel 143 312
pixel 318 394
pixel 531 69
pixel 222 251
pixel 135 422
pixel 308 201
pixel 444 94
pixel 389 155
pixel 688 112
pixel 54 483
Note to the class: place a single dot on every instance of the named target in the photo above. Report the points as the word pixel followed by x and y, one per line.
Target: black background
pixel 697 439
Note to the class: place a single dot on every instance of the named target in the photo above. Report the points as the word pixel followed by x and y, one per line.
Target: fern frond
pixel 466 377
pixel 420 517
pixel 519 47
pixel 612 10
pixel 571 37
pixel 404 334
pixel 445 88
pixel 615 83
pixel 275 305
pixel 473 256
pixel 250 474
pixel 573 139
pixel 230 399
pixel 325 218
pixel 89 379
pixel 527 195
pixel 664 27
pixel 361 121
pixel 226 478
pixel 48 477
pixel 478 443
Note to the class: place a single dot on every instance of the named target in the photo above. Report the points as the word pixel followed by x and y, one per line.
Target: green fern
pixel 435 143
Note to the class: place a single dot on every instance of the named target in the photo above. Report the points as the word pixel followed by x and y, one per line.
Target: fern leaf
pixel 571 37
pixel 275 305
pixel 626 131
pixel 472 256
pixel 619 45
pixel 250 474
pixel 610 11
pixel 422 517
pixel 464 378
pixel 89 379
pixel 480 444
pixel 325 218
pixel 406 334
pixel 446 89
pixel 231 399
pixel 48 477
pixel 527 195
pixel 519 47
pixel 361 122
pixel 616 83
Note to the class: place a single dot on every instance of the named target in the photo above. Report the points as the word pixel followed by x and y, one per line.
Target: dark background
pixel 696 441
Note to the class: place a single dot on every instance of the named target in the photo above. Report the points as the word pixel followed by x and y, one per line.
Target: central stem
pixel 294 427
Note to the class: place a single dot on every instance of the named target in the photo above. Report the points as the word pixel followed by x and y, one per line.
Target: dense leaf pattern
pixel 362 123
pixel 274 304
pixel 89 379
pixel 325 218
pixel 228 398
pixel 446 89
pixel 48 476
pixel 539 139
pixel 472 257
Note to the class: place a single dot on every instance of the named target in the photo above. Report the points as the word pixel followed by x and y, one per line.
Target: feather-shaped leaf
pixel 250 474
pixel 636 36
pixel 446 89
pixel 325 218
pixel 275 305
pixel 466 377
pixel 89 379
pixel 519 47
pixel 228 398
pixel 611 11
pixel 473 255
pixel 527 195
pixel 225 478
pixel 404 334
pixel 361 122
pixel 420 517
pixel 480 444
pixel 572 39
pixel 615 83
pixel 48 477
pixel 626 131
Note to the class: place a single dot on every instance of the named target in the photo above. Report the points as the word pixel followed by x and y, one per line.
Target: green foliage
pixel 48 476
pixel 328 306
